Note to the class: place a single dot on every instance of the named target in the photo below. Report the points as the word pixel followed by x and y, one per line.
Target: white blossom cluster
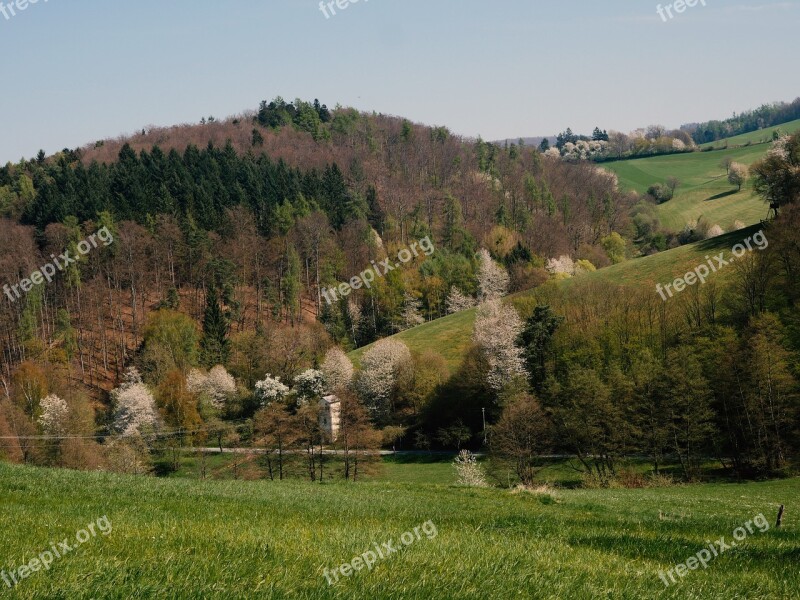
pixel 218 385
pixel 134 405
pixel 309 384
pixel 561 265
pixel 457 301
pixel 270 389
pixel 382 367
pixel 584 150
pixel 411 315
pixel 493 280
pixel 470 473
pixel 54 415
pixel 337 369
pixel 780 148
pixel 497 328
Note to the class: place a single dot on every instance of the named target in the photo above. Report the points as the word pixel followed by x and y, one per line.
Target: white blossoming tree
pixel 497 329
pixel 270 390
pixel 309 385
pixel 135 409
pixel 196 381
pixel 411 316
pixel 737 174
pixel 337 369
pixel 457 301
pixel 54 415
pixel 218 385
pixel 493 280
pixel 562 265
pixel 384 369
pixel 470 472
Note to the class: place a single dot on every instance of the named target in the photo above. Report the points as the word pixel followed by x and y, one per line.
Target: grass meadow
pixel 704 191
pixel 183 538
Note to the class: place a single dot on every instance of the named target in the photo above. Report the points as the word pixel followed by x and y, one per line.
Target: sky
pixel 76 71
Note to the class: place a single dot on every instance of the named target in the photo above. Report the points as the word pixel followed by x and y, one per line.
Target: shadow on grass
pixel 722 195
pixel 729 239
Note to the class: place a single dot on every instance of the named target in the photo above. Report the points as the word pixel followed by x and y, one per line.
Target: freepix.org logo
pixel 47 272
pixel 12 9
pixel 679 6
pixel 700 273
pixel 365 278
pixel 328 7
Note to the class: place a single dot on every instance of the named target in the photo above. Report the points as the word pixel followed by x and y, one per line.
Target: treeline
pixel 710 375
pixel 765 116
pixel 197 185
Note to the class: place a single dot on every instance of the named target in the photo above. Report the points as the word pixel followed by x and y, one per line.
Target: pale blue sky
pixel 75 71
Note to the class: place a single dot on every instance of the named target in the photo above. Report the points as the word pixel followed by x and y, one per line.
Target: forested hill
pixel 266 209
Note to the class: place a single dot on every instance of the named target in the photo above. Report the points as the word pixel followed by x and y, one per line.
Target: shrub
pixel 470 473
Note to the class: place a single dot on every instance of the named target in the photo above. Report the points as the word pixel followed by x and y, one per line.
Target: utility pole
pixel 483 412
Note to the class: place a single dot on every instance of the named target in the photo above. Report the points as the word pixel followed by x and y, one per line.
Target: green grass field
pixel 763 136
pixel 175 538
pixel 704 189
pixel 450 336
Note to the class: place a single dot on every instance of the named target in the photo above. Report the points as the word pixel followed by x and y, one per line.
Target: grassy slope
pixel 705 190
pixel 191 539
pixel 704 186
pixel 756 137
pixel 451 335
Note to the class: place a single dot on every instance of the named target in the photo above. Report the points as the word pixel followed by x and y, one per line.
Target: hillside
pixel 260 540
pixel 762 136
pixel 451 336
pixel 704 189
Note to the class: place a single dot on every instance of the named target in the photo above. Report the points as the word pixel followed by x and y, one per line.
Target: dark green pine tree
pixel 536 339
pixel 215 346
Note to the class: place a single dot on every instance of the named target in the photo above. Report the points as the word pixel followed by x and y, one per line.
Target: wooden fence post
pixel 780 517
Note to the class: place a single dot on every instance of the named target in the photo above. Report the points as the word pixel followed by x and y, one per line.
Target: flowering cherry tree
pixel 497 329
pixel 411 316
pixel 493 281
pixel 337 369
pixel 383 368
pixel 218 385
pixel 54 415
pixel 457 301
pixel 309 384
pixel 270 390
pixel 562 265
pixel 134 405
